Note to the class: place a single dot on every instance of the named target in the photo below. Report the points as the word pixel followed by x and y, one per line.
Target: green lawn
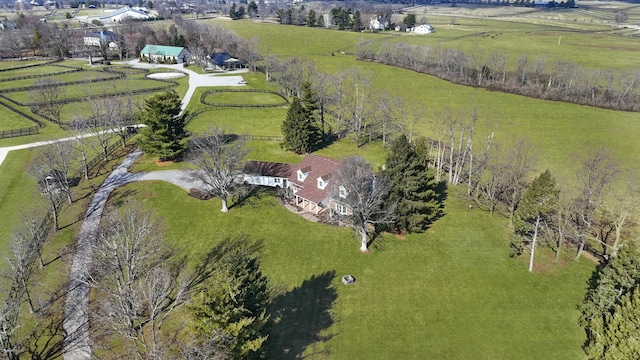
pixel 243 98
pixel 17 193
pixel 74 76
pixel 10 120
pixel 35 70
pixel 107 88
pixel 452 293
pixel 19 64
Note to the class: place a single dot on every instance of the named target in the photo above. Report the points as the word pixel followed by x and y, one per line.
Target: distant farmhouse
pixel 101 37
pixel 423 29
pixel 165 54
pixel 378 24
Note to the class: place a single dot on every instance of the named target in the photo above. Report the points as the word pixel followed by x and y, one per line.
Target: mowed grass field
pixel 451 293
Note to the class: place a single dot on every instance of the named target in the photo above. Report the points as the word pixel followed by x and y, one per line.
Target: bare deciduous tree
pixel 138 281
pixel 51 167
pixel 46 95
pixel 597 172
pixel 219 159
pixel 357 187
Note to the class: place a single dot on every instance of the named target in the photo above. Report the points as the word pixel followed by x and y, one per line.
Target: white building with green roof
pixel 165 54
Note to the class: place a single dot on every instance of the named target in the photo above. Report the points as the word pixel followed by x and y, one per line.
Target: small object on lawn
pixel 348 279
pixel 470 207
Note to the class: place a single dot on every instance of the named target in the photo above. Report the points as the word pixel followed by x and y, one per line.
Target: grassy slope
pixel 17 189
pixel 558 130
pixel 451 293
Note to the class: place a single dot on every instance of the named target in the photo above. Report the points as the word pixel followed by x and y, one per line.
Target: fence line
pixel 18 132
pixel 26 116
pixel 205 102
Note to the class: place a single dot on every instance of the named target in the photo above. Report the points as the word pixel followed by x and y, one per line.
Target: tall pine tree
pixel 413 187
pixel 611 310
pixel 231 308
pixel 300 130
pixel 165 134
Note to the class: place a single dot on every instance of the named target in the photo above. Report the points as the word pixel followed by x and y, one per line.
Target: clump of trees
pixel 413 187
pixel 610 311
pixel 229 313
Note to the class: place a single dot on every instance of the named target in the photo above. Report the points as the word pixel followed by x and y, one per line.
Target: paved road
pixel 76 324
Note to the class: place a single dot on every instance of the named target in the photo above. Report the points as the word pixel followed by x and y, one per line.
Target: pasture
pixel 450 293
pixel 560 132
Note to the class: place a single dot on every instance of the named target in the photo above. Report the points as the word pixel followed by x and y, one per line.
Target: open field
pixel 560 131
pixel 242 98
pixel 450 293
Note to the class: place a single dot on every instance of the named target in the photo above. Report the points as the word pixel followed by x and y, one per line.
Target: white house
pixel 100 37
pixel 309 181
pixel 267 173
pixel 423 29
pixel 378 24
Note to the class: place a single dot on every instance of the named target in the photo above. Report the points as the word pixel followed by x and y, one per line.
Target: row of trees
pixel 561 81
pixel 596 212
pixel 348 98
pixel 139 282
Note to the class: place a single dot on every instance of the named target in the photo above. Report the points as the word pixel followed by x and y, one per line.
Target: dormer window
pixel 303 173
pixel 342 192
pixel 323 181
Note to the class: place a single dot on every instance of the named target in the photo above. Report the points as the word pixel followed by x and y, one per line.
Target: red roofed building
pixel 310 182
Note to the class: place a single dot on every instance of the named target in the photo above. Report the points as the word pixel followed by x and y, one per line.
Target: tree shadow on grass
pixel 300 315
pixel 247 195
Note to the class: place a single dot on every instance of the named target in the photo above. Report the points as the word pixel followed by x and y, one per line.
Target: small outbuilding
pixel 224 61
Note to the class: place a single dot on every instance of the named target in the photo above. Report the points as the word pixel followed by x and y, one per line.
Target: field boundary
pixel 203 101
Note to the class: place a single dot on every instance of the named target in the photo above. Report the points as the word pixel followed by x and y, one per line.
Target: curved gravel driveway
pixel 76 323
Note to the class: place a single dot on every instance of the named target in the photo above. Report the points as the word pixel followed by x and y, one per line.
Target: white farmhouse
pixel 423 29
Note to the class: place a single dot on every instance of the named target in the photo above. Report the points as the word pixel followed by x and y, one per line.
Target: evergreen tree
pixel 413 187
pixel 301 133
pixel 610 312
pixel 357 21
pixel 409 20
pixel 232 12
pixel 164 135
pixel 536 209
pixel 230 311
pixel 311 18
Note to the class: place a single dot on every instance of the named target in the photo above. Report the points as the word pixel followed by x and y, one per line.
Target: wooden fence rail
pixel 5 134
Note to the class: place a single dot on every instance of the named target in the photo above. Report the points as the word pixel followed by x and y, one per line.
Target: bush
pixel 199 194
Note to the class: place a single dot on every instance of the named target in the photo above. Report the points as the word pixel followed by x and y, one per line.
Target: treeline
pixel 533 77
